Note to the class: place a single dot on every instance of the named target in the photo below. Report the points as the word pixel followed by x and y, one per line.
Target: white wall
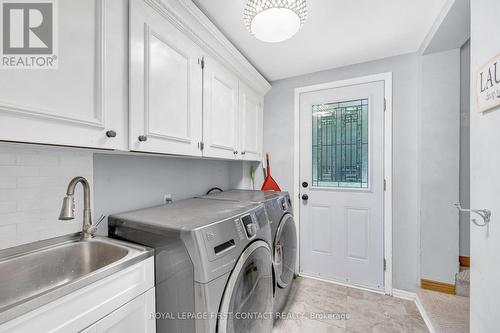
pixel 278 138
pixel 439 165
pixel 33 181
pixel 125 182
pixel 464 229
pixel 485 176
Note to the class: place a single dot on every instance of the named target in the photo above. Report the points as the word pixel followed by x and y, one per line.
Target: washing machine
pixel 213 266
pixel 283 231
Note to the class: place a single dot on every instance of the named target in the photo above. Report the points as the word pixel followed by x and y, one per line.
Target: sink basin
pixel 35 274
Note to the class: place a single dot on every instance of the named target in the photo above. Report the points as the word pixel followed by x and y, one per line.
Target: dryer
pixel 283 232
pixel 213 267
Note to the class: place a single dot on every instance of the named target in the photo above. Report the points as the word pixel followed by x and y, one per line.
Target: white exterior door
pixel 342 184
pixel 220 111
pixel 250 124
pixel 165 85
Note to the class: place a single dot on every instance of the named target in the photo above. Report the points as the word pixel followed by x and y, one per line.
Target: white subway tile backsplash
pixel 7 230
pixel 29 205
pixel 8 207
pixel 7 158
pixel 18 217
pixel 15 170
pixel 33 181
pixel 19 194
pixel 28 227
pixel 61 171
pixel 7 182
pixel 38 158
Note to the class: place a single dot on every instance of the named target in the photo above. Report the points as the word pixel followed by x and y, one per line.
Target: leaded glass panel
pixel 340 144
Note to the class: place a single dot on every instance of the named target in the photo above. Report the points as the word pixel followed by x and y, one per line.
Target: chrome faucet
pixel 68 207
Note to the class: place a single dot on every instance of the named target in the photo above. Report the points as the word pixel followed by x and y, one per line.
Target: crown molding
pixel 193 22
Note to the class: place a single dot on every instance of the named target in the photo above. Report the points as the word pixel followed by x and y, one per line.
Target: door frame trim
pixel 387 79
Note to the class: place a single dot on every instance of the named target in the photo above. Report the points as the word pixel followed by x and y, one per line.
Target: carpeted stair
pixel 462 283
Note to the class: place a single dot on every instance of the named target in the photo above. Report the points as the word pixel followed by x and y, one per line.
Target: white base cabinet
pixel 134 317
pixel 99 307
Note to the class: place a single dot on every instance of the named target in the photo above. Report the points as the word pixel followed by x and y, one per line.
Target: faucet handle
pixel 100 219
pixel 93 227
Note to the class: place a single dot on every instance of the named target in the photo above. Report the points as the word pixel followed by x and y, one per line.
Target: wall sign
pixel 488 85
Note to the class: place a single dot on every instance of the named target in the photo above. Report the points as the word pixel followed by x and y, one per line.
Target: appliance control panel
pixel 284 204
pixel 249 225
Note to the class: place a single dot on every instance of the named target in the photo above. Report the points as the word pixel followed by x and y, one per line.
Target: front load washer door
pixel 247 303
pixel 285 251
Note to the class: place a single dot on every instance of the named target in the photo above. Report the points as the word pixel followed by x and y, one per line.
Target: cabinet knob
pixel 235 152
pixel 142 138
pixel 243 153
pixel 305 197
pixel 111 134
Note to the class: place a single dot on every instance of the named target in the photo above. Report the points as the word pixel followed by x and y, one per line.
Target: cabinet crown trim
pixel 193 22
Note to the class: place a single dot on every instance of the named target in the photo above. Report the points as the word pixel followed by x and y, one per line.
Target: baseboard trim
pixel 464 261
pixel 411 296
pixel 341 283
pixel 424 315
pixel 437 286
pixel 403 294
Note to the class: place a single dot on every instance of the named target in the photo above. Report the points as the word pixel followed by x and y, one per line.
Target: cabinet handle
pixel 142 138
pixel 111 134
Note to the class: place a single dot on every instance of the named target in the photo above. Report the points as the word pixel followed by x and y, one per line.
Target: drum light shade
pixel 274 20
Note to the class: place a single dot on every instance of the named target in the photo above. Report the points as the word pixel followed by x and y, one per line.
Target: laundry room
pixel 249 166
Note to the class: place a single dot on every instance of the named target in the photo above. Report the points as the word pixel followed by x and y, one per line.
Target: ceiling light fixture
pixel 274 20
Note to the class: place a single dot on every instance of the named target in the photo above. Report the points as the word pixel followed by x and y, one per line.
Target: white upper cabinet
pixel 220 111
pixel 165 85
pixel 83 101
pixel 140 75
pixel 251 117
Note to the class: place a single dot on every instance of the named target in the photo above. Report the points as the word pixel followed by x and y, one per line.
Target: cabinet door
pixel 135 316
pixel 165 84
pixel 82 99
pixel 220 111
pixel 250 124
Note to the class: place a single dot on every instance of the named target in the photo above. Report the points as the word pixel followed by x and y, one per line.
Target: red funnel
pixel 269 183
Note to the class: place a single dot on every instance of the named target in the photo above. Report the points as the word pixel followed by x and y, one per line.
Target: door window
pixel 340 144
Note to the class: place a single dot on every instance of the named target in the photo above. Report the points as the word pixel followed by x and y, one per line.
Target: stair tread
pixel 463 276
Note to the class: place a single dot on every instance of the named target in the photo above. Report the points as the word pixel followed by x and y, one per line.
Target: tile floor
pixel 365 311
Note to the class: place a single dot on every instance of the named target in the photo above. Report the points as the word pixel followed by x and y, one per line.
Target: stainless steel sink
pixel 35 274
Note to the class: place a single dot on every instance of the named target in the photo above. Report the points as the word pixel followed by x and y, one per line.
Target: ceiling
pixel 451 29
pixel 337 33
